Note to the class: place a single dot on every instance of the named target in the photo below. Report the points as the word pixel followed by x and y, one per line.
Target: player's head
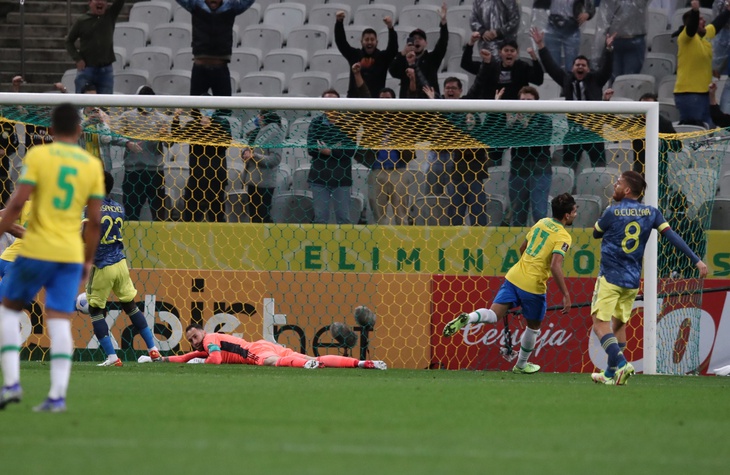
pixel 195 334
pixel 564 208
pixel 369 40
pixel 108 182
pixel 66 121
pixel 629 185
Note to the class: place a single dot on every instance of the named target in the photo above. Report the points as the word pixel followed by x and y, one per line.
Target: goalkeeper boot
pixel 456 324
pixel 623 374
pixel 51 405
pixel 600 378
pixel 111 362
pixel 375 364
pixel 313 364
pixel 10 394
pixel 530 368
pixel 155 355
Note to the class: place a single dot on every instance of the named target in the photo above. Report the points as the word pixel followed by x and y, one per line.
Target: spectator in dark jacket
pixel 212 43
pixel 510 74
pixel 496 21
pixel 428 63
pixel 562 35
pixel 373 62
pixel 261 162
pixel 330 175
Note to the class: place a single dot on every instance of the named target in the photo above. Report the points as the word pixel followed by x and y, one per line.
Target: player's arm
pixel 91 233
pixel 215 356
pixel 523 247
pixel 556 267
pixel 184 358
pixel 677 241
pixel 15 206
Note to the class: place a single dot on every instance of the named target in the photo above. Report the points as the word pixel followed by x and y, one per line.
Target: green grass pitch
pixel 184 419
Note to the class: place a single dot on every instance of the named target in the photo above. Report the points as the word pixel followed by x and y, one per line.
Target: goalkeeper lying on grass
pixel 219 348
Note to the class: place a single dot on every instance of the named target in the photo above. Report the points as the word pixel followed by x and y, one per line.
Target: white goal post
pixel 649 109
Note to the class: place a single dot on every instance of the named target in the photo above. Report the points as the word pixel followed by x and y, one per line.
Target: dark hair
pixel 65 119
pixel 649 95
pixel 196 326
pixel 584 58
pixel 331 91
pixel 108 182
pixel 453 79
pixel 418 32
pixel 529 90
pixel 388 90
pixel 635 181
pixel 270 117
pixel 368 31
pixel 145 91
pixel 511 43
pixel 562 205
pixel 88 87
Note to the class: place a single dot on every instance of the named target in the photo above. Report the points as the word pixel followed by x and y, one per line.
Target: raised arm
pixel 679 243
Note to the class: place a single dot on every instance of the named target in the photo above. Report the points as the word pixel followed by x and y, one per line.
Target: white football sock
pixel 10 345
pixel 529 337
pixel 483 315
pixel 59 329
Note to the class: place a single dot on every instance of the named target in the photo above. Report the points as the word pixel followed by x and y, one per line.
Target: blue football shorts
pixel 26 277
pixel 533 306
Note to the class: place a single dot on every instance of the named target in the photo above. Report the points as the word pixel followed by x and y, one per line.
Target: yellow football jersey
pixel 532 271
pixel 11 251
pixel 65 177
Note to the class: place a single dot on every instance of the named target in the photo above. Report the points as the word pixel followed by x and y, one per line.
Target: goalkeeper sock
pixel 140 323
pixel 101 331
pixel 529 337
pixel 59 329
pixel 10 342
pixel 610 346
pixel 483 315
pixel 335 361
pixel 292 361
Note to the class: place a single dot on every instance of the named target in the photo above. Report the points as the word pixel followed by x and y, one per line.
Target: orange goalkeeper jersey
pixel 219 348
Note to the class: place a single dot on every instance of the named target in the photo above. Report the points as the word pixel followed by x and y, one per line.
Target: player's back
pixel 65 177
pixel 626 228
pixel 233 350
pixel 544 239
pixel 111 244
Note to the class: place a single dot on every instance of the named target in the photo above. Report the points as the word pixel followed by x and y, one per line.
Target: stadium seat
pixel 725 185
pixel 687 128
pixel 430 211
pixel 287 61
pixel 353 33
pixel 252 16
pixel 174 82
pixel 498 181
pixel 360 175
pixel 153 59
pixel 130 35
pixel 287 16
pixel 425 17
pixel 297 133
pixel 634 85
pixel 372 15
pixel 283 178
pixel 549 89
pixel 329 61
pixel 245 60
pixel 172 35
pixel 664 43
pixel 563 181
pixel 68 78
pixel 457 40
pixel 677 161
pixel 237 206
pixel 342 83
pixel 152 13
pixel 324 14
pixel 669 111
pixel 299 178
pixel 459 17
pixel 697 184
pixel 597 181
pixel 587 40
pixel 311 38
pixel 665 90
pixel 128 81
pixel 266 83
pixel 309 84
pixel 656 23
pixel 351 4
pixel 620 155
pixel 183 59
pixel 235 169
pixel 180 15
pixel 659 65
pixel 262 37
pixel 176 178
pixel 590 208
pixel 677 16
pixel 496 210
pixel 721 214
pixel 120 59
pixel 436 3
pixel 357 206
pixel 295 206
pixel 710 158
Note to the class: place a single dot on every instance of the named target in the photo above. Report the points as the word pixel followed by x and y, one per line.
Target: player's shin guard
pixel 615 357
pixel 335 361
pixel 483 315
pixel 292 361
pixel 140 323
pixel 529 337
pixel 10 345
pixel 59 329
pixel 101 330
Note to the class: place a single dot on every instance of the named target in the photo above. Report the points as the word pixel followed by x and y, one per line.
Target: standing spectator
pixel 562 34
pixel 468 64
pixel 144 178
pixel 511 74
pixel 626 20
pixel 428 63
pixel 330 175
pixel 720 50
pixel 95 54
pixel 531 172
pixel 35 134
pixel 262 164
pixel 581 84
pixel 373 62
pixel 694 65
pixel 205 191
pixel 496 21
pixel 212 43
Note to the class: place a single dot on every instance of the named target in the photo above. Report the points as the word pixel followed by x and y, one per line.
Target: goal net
pixel 274 218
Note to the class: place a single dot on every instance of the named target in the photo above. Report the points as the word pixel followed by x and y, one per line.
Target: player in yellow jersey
pixel 10 252
pixel 525 284
pixel 62 178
